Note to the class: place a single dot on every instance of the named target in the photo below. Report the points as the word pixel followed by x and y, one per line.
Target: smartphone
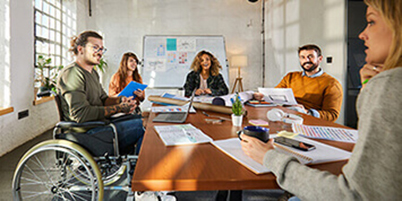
pixel 294 143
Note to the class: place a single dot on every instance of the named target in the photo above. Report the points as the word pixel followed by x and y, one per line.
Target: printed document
pixel 182 134
pixel 327 133
pixel 280 96
pixel 172 108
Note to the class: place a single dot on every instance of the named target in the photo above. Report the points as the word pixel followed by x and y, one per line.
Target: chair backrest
pixel 57 98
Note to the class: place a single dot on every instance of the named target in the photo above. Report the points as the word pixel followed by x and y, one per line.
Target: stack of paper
pixel 322 153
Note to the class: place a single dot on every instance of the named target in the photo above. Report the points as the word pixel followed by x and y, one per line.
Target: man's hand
pixel 255 148
pixel 127 105
pixel 258 96
pixel 302 107
pixel 369 71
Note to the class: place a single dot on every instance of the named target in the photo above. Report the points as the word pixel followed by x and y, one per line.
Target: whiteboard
pixel 167 59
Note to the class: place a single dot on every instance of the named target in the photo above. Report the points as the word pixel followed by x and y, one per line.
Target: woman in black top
pixel 205 76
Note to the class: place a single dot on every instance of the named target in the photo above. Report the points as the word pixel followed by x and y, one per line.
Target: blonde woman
pixel 373 172
pixel 205 76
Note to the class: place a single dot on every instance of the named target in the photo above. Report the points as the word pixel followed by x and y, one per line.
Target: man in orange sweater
pixel 317 93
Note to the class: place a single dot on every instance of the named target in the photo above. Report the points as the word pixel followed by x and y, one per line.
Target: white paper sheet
pixel 232 148
pixel 183 134
pixel 323 153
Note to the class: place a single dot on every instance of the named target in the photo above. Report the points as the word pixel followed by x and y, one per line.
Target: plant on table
pixel 237 106
pixel 237 109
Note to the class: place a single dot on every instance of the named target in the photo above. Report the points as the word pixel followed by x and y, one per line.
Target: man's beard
pixel 92 61
pixel 313 67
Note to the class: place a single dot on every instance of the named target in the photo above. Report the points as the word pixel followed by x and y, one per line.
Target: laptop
pixel 174 117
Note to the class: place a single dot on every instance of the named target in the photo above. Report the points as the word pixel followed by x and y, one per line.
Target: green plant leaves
pixel 237 106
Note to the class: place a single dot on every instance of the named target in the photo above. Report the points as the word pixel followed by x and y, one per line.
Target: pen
pixel 222 118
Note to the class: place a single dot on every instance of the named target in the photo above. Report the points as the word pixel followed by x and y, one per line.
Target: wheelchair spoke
pixel 55 173
pixel 44 169
pixel 32 173
pixel 34 194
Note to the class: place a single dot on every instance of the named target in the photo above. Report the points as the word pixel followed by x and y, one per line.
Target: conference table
pixel 203 166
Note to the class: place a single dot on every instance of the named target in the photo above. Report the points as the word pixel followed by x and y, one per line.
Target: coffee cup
pixel 258 132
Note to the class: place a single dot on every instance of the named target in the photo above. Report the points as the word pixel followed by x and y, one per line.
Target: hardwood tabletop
pixel 204 167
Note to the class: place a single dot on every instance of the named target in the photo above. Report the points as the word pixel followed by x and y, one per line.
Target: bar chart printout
pixel 327 133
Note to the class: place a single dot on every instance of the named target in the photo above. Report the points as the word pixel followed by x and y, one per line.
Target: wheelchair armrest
pixel 122 118
pixel 70 124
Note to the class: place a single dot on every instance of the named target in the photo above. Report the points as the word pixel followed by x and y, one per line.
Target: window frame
pixel 50 40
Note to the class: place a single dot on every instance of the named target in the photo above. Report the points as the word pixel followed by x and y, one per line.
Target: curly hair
pixel 122 71
pixel 391 12
pixel 82 40
pixel 215 65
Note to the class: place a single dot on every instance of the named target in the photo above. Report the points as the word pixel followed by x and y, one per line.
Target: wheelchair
pixel 74 166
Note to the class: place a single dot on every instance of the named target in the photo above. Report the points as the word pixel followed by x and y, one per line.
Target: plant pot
pixel 237 120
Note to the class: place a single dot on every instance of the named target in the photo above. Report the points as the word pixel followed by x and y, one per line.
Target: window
pixel 4 54
pixel 55 23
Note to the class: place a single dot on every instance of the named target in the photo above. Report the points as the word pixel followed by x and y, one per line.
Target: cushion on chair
pixel 97 144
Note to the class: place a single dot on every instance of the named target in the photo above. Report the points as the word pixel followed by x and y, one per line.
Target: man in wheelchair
pixel 83 99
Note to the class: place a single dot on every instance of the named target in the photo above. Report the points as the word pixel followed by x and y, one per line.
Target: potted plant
pixel 237 109
pixel 46 75
pixel 102 65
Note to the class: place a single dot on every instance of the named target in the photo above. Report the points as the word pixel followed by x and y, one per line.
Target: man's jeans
pixel 130 132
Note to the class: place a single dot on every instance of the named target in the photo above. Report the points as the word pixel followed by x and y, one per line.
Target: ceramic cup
pixel 258 132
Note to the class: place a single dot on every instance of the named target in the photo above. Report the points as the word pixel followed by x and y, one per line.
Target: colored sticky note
pixel 171 44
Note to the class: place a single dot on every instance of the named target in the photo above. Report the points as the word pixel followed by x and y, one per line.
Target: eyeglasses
pixel 99 49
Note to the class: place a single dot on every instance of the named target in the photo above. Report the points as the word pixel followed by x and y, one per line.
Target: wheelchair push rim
pixel 45 172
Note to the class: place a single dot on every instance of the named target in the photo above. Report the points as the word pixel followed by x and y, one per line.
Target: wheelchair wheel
pixel 111 170
pixel 57 170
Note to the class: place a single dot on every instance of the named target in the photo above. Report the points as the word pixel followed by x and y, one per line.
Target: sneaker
pixel 163 195
pixel 145 196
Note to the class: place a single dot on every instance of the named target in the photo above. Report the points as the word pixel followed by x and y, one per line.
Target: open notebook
pixel 322 153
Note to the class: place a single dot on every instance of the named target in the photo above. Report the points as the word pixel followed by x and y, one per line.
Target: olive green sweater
pixel 82 96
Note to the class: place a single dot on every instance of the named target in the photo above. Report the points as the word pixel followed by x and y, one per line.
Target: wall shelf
pixel 6 110
pixel 43 100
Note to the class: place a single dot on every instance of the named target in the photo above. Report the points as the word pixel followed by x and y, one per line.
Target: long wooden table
pixel 204 167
